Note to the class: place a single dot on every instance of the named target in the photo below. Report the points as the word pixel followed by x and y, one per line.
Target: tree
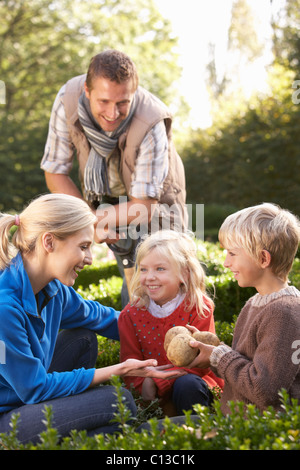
pixel 243 48
pixel 251 152
pixel 286 35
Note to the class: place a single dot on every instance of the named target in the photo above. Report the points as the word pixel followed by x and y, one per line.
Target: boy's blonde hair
pixel 181 250
pixel 264 227
pixel 60 214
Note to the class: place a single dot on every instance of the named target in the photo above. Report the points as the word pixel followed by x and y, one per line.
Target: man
pixel 130 171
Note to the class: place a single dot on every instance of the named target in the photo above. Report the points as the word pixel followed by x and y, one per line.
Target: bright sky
pixel 198 22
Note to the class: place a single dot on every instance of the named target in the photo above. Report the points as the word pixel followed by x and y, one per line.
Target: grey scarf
pixel 95 173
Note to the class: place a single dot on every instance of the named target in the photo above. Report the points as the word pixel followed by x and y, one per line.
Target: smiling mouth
pixel 111 120
pixel 77 270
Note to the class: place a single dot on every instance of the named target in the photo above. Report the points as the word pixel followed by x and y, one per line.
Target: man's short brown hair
pixel 113 65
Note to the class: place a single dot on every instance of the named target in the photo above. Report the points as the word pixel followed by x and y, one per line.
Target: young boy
pixel 261 244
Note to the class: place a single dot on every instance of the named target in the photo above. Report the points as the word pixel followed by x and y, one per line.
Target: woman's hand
pixel 135 367
pixel 149 368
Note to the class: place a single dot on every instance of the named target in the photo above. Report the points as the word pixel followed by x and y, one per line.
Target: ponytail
pixel 60 214
pixel 7 247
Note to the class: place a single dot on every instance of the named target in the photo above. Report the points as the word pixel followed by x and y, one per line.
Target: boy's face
pixel 246 270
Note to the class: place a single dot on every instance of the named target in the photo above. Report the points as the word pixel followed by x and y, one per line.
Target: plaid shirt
pixel 151 165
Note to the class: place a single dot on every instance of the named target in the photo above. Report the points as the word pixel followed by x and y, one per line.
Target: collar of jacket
pixel 26 294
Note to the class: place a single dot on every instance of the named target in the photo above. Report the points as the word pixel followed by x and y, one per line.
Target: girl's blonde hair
pixel 181 250
pixel 60 214
pixel 264 227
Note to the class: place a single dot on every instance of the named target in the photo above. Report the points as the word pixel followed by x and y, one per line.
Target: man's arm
pixel 59 152
pixel 125 213
pixel 134 212
pixel 58 183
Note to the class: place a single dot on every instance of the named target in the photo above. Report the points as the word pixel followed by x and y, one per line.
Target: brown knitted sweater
pixel 263 358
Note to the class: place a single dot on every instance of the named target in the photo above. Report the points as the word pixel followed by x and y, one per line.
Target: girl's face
pixel 158 277
pixel 69 256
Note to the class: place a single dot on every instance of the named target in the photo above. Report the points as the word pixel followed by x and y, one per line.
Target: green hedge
pixel 243 429
pixel 96 272
pixel 105 291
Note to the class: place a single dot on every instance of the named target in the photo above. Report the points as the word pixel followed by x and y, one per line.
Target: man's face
pixel 110 102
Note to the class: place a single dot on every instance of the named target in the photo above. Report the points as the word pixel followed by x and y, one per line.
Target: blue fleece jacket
pixel 28 337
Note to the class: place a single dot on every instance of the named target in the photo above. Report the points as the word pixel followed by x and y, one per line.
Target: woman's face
pixel 69 256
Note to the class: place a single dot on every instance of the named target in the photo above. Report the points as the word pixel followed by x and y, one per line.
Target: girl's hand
pixel 192 329
pixel 203 359
pixel 148 389
pixel 149 368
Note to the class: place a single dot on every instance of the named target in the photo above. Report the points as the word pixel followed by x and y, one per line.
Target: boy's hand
pixel 203 359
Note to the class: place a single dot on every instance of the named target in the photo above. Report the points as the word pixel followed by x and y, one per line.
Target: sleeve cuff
pixel 217 354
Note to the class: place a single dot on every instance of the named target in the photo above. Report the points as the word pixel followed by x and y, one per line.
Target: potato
pixel 179 352
pixel 178 349
pixel 173 332
pixel 206 337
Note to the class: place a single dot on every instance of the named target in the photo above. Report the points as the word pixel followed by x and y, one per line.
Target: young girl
pixel 261 244
pixel 168 290
pixel 40 366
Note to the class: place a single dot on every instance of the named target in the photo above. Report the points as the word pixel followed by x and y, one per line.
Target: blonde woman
pixel 40 366
pixel 168 289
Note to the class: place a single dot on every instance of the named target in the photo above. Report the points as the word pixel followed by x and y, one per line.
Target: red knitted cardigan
pixel 142 337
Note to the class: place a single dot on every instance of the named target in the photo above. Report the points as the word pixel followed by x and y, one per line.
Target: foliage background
pixel 44 43
pixel 250 153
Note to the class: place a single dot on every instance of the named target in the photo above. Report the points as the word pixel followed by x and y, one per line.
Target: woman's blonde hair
pixel 60 214
pixel 264 227
pixel 181 250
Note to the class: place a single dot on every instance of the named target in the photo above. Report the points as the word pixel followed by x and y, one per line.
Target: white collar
pixel 168 308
